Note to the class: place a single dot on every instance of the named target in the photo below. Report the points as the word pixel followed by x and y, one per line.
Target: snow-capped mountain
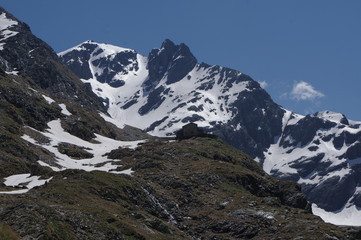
pixel 67 173
pixel 162 92
pixel 169 88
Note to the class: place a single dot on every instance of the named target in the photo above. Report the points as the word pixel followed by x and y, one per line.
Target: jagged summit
pixel 90 45
pixel 169 46
pixel 107 63
pixel 333 116
pixel 170 62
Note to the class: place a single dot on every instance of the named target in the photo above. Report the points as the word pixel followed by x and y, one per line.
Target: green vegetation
pixel 6 233
pixel 56 230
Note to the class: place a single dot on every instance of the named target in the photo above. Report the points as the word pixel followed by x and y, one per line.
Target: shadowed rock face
pixel 32 57
pixel 120 63
pixel 82 70
pixel 174 60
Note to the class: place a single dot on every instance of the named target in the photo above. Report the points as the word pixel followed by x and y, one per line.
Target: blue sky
pixel 306 52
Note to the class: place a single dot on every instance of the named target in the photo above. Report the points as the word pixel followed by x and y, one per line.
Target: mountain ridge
pixel 69 173
pixel 17 56
pixel 234 107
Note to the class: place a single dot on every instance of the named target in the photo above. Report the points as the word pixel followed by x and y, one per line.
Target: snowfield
pixel 347 216
pixel 211 101
pixel 99 161
pixel 57 135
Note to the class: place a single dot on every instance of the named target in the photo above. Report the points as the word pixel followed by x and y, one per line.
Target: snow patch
pixel 48 99
pixel 111 120
pixel 5 33
pixel 64 110
pixel 24 181
pixel 347 216
pixel 101 146
pixel 15 73
pixel 127 172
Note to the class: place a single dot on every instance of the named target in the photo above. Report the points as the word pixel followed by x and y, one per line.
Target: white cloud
pixel 263 84
pixel 304 91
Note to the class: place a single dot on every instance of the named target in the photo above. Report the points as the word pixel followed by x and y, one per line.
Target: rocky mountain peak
pixel 10 23
pixel 332 116
pixel 175 60
pixel 168 45
pixel 104 62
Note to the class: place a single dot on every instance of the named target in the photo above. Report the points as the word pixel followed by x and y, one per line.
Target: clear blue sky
pixel 307 51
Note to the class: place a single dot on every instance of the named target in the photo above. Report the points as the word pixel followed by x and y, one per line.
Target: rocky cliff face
pixel 27 55
pixel 167 89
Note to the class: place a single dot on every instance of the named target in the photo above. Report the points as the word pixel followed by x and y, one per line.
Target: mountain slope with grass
pixel 193 189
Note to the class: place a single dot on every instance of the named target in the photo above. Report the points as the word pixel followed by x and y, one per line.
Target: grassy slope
pixel 213 191
pixel 219 191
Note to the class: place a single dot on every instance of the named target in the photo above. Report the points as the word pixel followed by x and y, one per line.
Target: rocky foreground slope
pixel 193 189
pixel 161 92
